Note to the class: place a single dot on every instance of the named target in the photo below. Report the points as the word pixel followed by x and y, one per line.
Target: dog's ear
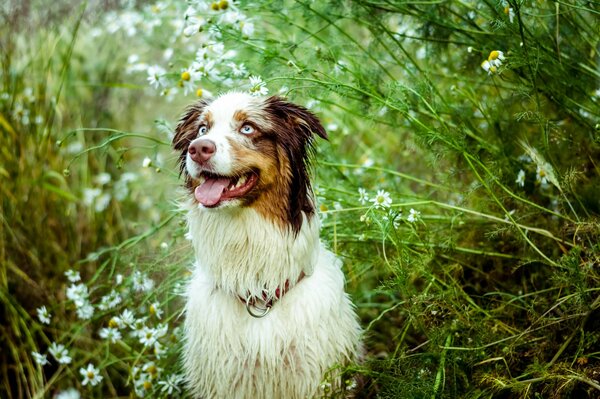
pixel 303 121
pixel 187 130
pixel 294 128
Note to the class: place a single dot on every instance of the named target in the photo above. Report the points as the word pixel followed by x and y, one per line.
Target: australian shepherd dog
pixel 266 315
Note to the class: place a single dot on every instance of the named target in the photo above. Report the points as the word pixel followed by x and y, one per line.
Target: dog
pixel 266 314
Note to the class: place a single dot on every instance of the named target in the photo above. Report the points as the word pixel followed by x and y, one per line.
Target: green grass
pixel 489 290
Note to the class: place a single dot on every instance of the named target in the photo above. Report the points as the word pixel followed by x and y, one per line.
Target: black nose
pixel 202 150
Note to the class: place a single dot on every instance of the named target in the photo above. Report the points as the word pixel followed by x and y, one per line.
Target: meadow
pixel 460 185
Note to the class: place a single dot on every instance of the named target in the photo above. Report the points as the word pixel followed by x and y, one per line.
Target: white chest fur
pixel 313 327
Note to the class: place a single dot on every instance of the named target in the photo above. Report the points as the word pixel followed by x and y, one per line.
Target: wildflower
pixel 545 172
pixel 493 62
pixel 257 86
pixel 237 70
pixel 155 310
pixel 413 216
pixel 396 220
pixel 148 336
pixel 159 350
pixel 73 276
pixel 60 353
pixel 110 334
pixel 363 197
pixel 102 202
pixel 521 178
pixel 247 28
pixel 102 178
pixel 171 384
pixel 40 359
pixel 78 294
pixel 85 311
pixel 110 301
pixel 156 76
pixel 127 317
pixel 70 393
pixel 142 383
pixel 90 195
pixel 141 282
pixel 541 175
pixel 146 163
pixel 508 10
pixel 91 375
pixel 382 200
pixel 44 315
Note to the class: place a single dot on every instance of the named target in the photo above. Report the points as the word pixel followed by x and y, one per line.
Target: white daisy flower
pixel 171 384
pixel 44 315
pixel 40 359
pixel 91 375
pixel 110 300
pixel 382 200
pixel 363 197
pixel 110 334
pixel 521 178
pixel 73 276
pixel 155 310
pixel 156 76
pixel 60 353
pixel 413 216
pixel 78 294
pixel 85 311
pixel 70 393
pixel 257 86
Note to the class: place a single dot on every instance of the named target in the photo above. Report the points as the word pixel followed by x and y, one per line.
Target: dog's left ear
pixel 304 122
pixel 187 130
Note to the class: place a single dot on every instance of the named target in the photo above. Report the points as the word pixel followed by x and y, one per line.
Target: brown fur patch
pixel 186 131
pixel 240 116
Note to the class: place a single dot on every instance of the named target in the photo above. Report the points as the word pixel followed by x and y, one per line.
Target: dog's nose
pixel 202 150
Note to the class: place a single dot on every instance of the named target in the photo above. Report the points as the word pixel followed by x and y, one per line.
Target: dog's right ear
pixel 187 130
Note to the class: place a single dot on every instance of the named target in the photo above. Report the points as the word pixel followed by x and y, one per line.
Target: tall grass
pixel 460 185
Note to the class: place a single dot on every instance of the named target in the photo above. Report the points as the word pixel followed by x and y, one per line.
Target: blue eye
pixel 203 129
pixel 247 129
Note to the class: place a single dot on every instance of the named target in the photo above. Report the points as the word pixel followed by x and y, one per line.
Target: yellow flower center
pixel 147 385
pixel 90 375
pixel 152 370
pixel 507 10
pixel 186 76
pixel 223 4
pixel 199 93
pixel 113 323
pixel 494 55
pixel 214 6
pixel 323 208
pixel 152 310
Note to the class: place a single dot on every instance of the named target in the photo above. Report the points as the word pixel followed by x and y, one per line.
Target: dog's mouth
pixel 214 189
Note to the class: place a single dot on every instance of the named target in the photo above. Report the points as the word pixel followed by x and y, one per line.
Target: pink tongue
pixel 209 193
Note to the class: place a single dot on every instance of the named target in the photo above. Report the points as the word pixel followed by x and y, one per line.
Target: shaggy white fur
pixel 286 354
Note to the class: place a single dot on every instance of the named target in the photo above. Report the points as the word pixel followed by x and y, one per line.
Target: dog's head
pixel 245 151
